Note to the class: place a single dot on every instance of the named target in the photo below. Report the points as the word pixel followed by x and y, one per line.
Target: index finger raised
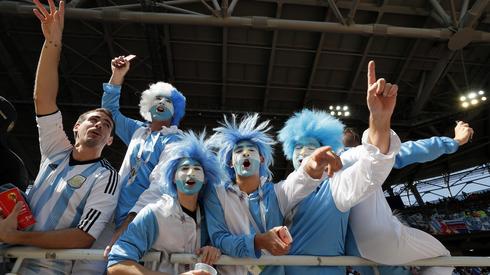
pixel 371 76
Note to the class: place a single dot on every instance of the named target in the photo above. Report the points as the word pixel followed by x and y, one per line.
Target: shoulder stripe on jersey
pixel 91 217
pixel 82 223
pixel 93 221
pixel 113 178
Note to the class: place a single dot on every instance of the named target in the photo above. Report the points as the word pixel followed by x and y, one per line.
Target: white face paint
pixel 246 159
pixel 304 148
pixel 189 176
pixel 162 109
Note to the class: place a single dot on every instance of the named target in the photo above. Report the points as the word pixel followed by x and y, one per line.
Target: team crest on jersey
pixel 77 181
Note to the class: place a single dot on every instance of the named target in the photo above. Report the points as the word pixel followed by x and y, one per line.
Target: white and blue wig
pixel 231 133
pixel 323 127
pixel 190 146
pixel 166 90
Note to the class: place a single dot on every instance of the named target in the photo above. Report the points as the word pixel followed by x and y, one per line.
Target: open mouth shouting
pixel 190 182
pixel 246 164
pixel 160 108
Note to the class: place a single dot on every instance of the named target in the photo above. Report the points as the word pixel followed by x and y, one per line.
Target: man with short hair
pixel 76 190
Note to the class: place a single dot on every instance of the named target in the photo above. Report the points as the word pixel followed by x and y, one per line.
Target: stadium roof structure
pixel 269 56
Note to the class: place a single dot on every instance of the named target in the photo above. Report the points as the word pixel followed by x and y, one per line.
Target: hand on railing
pixel 271 242
pixel 209 254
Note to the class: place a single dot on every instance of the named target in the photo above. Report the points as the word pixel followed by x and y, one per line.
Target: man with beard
pixel 75 192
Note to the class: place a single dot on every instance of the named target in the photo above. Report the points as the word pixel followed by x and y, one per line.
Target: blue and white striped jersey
pixel 162 226
pixel 68 194
pixel 145 149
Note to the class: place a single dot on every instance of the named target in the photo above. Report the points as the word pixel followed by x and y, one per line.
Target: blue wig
pixel 166 90
pixel 323 127
pixel 231 133
pixel 190 146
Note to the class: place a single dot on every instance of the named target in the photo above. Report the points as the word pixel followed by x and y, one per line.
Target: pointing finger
pixel 371 76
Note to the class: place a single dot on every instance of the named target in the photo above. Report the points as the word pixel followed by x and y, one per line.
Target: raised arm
pixel 46 84
pixel 381 101
pixel 377 154
pixel 425 150
pixel 125 127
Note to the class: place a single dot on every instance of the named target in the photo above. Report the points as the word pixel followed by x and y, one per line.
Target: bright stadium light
pixel 339 110
pixel 472 98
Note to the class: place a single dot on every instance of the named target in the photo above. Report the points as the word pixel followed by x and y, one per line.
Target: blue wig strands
pixel 190 146
pixel 314 124
pixel 166 90
pixel 231 132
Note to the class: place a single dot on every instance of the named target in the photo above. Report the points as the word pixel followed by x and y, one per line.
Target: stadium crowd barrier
pixel 21 253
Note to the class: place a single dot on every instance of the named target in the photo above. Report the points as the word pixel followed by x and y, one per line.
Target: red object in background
pixel 285 235
pixel 8 199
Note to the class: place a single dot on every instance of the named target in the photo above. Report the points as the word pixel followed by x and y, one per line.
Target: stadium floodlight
pixel 472 98
pixel 339 110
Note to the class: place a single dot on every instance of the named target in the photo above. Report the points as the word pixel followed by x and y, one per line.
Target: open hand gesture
pixel 52 22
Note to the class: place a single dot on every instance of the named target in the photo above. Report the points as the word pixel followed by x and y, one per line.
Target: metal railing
pixel 22 253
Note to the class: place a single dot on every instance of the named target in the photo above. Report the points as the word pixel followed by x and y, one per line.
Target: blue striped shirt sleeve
pixel 233 245
pixel 424 150
pixel 125 127
pixel 137 240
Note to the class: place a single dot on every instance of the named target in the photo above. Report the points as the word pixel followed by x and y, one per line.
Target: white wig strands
pixel 148 97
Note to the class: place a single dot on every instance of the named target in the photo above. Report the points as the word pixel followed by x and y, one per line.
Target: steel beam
pixel 416 193
pixel 439 69
pixel 336 11
pixel 168 53
pixel 363 58
pixel 372 7
pixel 316 60
pixel 470 17
pixel 352 12
pixel 9 7
pixel 446 19
pixel 224 68
pixel 272 58
pixel 407 61
pixel 231 8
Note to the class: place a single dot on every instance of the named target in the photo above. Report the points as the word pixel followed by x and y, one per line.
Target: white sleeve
pixel 295 188
pixel 154 191
pixel 101 203
pixel 350 156
pixel 52 137
pixel 150 195
pixel 352 184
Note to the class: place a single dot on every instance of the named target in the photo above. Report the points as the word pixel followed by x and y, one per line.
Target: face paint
pixel 245 159
pixel 304 148
pixel 189 176
pixel 162 109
